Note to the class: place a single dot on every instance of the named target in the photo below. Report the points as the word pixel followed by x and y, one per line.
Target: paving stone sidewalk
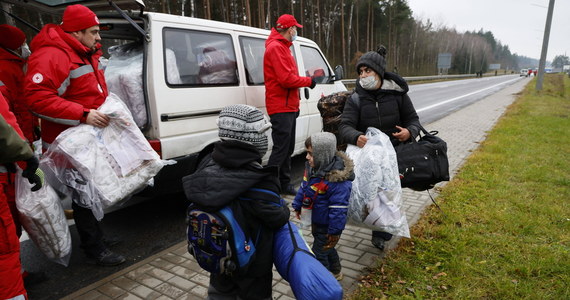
pixel 173 273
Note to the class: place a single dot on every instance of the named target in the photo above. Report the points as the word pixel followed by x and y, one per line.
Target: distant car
pixel 524 72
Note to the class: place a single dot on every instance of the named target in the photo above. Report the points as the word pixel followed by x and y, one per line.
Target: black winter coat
pixel 383 109
pixel 229 172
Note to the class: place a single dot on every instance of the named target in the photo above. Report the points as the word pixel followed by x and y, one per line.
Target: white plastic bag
pixel 376 197
pixel 41 215
pixel 100 167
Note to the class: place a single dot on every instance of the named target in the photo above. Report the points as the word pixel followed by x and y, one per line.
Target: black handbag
pixel 423 163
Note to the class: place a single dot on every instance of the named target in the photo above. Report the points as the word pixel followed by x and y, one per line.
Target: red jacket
pixel 282 80
pixel 11 78
pixel 64 81
pixel 11 283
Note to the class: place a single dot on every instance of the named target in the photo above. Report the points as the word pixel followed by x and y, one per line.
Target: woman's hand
pixel 361 141
pixel 402 135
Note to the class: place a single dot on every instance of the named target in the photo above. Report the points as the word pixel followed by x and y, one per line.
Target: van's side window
pixel 201 58
pixel 253 50
pixel 315 65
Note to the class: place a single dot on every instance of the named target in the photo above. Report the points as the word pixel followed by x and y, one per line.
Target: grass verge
pixel 506 229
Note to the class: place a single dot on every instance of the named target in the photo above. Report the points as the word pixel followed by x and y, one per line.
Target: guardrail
pixel 419 78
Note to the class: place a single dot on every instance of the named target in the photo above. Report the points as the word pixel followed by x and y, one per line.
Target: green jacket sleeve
pixel 12 147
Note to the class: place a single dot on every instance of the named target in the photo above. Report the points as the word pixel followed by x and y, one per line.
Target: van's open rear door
pixel 58 6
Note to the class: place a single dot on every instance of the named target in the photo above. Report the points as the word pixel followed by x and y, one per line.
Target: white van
pixel 189 70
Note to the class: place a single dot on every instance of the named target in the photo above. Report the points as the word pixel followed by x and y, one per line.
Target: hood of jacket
pixel 392 83
pixel 52 35
pixel 276 37
pixel 341 168
pixel 231 169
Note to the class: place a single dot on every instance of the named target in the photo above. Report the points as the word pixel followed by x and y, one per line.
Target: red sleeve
pixel 48 70
pixel 286 69
pixel 9 116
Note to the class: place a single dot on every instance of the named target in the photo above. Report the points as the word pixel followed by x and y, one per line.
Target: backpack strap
pixel 296 248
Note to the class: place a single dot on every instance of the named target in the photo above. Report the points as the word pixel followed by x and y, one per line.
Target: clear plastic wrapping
pixel 376 198
pixel 41 215
pixel 99 167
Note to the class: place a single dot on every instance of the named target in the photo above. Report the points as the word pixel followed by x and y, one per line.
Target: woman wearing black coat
pixel 382 103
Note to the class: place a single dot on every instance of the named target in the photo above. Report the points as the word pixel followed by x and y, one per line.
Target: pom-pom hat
pixel 244 123
pixel 78 17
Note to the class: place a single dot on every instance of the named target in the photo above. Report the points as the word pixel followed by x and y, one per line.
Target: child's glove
pixel 332 240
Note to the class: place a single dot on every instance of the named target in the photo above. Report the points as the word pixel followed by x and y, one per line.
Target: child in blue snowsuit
pixel 325 189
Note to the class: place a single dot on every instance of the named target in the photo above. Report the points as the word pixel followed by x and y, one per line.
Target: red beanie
pixel 78 17
pixel 12 37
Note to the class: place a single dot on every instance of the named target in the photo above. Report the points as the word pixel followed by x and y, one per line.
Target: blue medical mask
pixel 368 83
pixel 294 37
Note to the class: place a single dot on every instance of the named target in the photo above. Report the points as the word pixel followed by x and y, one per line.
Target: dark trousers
pixel 89 230
pixel 223 287
pixel 329 258
pixel 283 127
pixel 381 234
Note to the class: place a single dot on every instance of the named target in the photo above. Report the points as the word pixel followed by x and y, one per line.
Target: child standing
pixel 325 190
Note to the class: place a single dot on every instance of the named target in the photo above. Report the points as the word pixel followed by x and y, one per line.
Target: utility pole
pixel 542 62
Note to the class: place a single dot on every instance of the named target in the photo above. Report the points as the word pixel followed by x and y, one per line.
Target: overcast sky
pixel 517 23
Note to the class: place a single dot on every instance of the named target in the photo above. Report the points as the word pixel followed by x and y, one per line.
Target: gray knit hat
pixel 375 60
pixel 244 123
pixel 324 149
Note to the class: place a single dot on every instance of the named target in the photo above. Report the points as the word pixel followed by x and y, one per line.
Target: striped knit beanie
pixel 244 123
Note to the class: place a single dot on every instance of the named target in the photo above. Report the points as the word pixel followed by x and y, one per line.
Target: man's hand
pixel 33 173
pixel 97 119
pixel 332 240
pixel 313 84
pixel 361 141
pixel 298 214
pixel 403 134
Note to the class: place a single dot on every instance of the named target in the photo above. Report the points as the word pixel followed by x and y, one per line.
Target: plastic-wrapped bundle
pixel 41 215
pixel 376 197
pixel 295 262
pixel 102 166
pixel 124 77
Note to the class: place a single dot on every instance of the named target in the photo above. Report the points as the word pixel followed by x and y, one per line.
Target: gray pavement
pixel 173 273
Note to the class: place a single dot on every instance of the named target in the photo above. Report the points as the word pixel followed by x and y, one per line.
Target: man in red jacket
pixel 13 54
pixel 282 83
pixel 64 86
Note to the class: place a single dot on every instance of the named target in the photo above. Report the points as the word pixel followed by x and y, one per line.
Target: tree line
pixel 345 29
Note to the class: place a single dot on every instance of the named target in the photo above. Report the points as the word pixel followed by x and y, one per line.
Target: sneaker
pixel 289 190
pixel 378 242
pixel 108 258
pixel 338 276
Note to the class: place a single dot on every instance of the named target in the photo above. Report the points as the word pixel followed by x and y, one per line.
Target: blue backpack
pixel 218 241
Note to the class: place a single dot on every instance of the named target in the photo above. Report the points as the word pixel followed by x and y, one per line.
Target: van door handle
pixel 307 93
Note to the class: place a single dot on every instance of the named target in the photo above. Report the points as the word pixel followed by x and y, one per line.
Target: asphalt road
pixel 156 224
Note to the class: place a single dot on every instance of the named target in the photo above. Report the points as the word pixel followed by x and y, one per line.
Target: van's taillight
pixel 155 144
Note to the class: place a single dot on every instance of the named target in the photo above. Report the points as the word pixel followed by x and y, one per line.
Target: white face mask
pixel 368 83
pixel 26 51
